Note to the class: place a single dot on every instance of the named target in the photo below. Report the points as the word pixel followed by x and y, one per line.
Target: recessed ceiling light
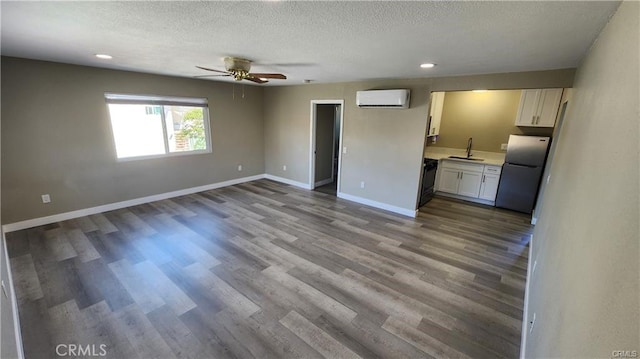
pixel 427 65
pixel 104 56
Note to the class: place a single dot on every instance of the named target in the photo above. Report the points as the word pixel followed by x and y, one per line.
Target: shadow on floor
pixel 330 188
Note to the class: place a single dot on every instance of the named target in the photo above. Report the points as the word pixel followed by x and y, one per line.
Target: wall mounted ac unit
pixel 383 98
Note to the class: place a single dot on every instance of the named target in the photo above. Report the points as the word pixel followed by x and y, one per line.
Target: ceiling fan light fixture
pixel 427 65
pixel 239 69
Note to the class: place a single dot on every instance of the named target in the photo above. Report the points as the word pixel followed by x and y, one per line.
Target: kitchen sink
pixel 466 158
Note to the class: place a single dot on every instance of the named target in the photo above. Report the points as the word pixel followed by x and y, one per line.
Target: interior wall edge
pixel 14 302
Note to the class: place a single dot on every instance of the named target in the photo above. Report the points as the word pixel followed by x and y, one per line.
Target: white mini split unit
pixel 383 98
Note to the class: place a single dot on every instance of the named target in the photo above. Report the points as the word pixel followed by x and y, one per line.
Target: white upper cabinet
pixel 435 113
pixel 539 107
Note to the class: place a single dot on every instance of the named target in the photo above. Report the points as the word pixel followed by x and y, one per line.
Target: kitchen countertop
pixel 443 153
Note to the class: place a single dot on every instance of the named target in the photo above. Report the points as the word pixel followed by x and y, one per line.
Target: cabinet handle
pixel 461 173
pixel 533 119
pixel 482 178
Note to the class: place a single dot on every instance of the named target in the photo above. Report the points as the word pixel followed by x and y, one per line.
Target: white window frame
pixel 154 100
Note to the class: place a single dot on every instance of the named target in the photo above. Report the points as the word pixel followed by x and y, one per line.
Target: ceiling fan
pixel 239 69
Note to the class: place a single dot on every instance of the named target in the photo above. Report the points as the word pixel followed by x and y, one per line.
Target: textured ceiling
pixel 320 41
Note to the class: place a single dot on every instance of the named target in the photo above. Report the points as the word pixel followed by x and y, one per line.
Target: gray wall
pixel 585 291
pixel 56 138
pixel 384 146
pixel 325 122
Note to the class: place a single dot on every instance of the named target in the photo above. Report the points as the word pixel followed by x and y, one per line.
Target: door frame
pixel 312 140
pixel 546 172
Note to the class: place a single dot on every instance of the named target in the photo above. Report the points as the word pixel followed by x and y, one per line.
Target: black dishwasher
pixel 429 168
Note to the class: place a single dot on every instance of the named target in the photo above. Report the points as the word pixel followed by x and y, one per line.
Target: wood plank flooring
pixel 266 270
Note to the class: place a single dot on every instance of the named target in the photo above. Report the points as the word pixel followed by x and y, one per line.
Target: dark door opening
pixel 327 150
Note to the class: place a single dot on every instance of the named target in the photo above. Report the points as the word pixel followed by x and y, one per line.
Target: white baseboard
pixel 380 205
pixel 30 223
pixel 287 181
pixel 323 182
pixel 118 205
pixel 14 300
pixel 525 311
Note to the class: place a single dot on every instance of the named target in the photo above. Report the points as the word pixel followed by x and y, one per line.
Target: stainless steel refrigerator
pixel 521 172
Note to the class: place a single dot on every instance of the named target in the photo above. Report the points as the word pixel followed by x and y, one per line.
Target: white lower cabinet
pixel 471 180
pixel 449 180
pixel 469 183
pixel 460 178
pixel 490 180
pixel 489 187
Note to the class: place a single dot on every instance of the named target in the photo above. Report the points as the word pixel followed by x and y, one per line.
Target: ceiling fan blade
pixel 256 80
pixel 208 69
pixel 269 76
pixel 227 75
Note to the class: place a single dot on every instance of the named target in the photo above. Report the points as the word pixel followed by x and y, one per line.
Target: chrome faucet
pixel 469 143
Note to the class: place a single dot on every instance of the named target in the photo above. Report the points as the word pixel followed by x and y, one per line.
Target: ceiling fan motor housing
pixel 238 67
pixel 236 63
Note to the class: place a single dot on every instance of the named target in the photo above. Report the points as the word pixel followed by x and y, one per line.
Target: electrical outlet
pixel 503 146
pixel 548 179
pixel 532 323
pixel 239 168
pixel 533 268
pixel 284 168
pixel 46 198
pixel 362 184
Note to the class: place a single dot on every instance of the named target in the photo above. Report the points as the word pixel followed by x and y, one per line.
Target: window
pixel 154 126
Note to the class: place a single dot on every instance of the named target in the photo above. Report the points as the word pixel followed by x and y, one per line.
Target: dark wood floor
pixel 265 270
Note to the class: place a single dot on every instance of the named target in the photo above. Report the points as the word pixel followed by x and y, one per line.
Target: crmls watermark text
pixel 76 350
pixel 624 354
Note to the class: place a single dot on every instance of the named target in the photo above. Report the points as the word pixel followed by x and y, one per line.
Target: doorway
pixel 325 144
